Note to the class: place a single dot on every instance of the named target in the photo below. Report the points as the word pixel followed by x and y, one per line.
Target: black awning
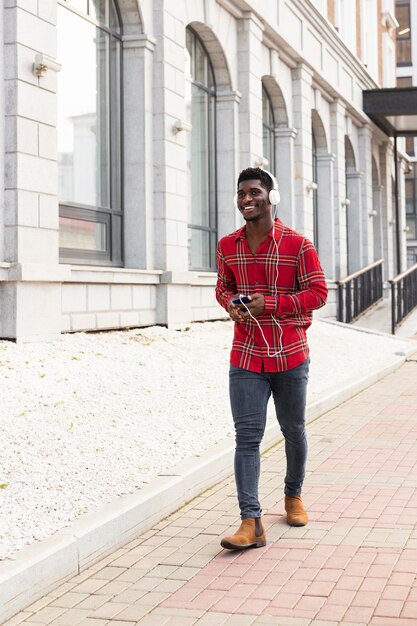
pixel 393 110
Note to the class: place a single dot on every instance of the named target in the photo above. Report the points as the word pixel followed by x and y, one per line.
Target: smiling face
pixel 253 200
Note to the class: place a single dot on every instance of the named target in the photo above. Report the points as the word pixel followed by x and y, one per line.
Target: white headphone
pixel 274 198
pixel 274 195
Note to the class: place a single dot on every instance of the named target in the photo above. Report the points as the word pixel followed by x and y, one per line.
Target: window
pixel 411 201
pixel 268 130
pixel 407 81
pixel 89 132
pixel 201 156
pixel 345 17
pixel 315 198
pixel 402 13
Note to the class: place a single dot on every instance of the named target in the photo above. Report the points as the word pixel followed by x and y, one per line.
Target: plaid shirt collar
pixel 278 227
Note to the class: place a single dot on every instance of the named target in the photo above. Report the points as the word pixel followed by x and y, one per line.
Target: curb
pixel 43 566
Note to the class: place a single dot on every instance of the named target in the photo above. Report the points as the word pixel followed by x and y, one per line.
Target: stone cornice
pixel 139 41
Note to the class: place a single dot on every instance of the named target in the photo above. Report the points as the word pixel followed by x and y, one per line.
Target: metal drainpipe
pixel 397 208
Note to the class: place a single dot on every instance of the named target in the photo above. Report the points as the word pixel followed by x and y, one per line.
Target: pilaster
pixel 337 133
pixel 365 167
pixel 169 146
pixel 387 210
pixel 227 159
pixel 138 52
pixel 31 235
pixel 249 54
pixel 285 140
pixel 302 79
pixel 326 216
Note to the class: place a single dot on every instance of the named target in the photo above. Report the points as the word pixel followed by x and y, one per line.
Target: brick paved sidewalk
pixel 355 563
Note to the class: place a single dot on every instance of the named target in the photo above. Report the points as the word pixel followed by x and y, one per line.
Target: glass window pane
pixel 200 64
pixel 212 162
pixel 82 234
pixel 83 111
pixel 114 19
pixel 409 196
pixel 404 81
pixel 115 108
pixel 402 13
pixel 411 224
pixel 199 205
pixel 201 154
pixel 198 248
pixel 268 134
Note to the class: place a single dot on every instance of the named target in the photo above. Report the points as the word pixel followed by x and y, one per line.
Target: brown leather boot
pixel 296 513
pixel 251 534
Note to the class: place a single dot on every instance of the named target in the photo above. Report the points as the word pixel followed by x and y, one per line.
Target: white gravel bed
pixel 97 415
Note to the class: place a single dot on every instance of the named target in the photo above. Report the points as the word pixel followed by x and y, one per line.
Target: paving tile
pixel 69 600
pixel 18 619
pixel 355 563
pixel 71 617
pixel 46 615
pixel 389 608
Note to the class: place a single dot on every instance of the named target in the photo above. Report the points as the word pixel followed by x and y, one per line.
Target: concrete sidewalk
pixel 355 563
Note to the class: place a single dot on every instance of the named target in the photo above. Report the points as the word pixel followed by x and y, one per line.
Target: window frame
pixel 113 256
pixel 212 158
pixel 270 129
pixel 403 41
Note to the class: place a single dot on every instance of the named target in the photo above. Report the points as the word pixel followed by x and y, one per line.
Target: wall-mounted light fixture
pixel 311 186
pixel 373 213
pixel 261 162
pixel 43 63
pixel 181 125
pixel 345 202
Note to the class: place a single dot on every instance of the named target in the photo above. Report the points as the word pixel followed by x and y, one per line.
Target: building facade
pixel 127 123
pixel 406 14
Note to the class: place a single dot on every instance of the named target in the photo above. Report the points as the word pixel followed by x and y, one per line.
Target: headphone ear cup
pixel 274 196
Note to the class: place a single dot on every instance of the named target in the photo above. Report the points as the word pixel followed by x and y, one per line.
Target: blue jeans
pixel 249 395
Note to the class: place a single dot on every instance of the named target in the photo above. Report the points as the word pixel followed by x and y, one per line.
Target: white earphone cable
pixel 281 347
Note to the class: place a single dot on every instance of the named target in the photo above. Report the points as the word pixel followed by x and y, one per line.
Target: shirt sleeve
pixel 226 283
pixel 311 291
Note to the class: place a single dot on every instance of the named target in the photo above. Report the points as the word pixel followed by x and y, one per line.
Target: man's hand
pixel 255 306
pixel 235 311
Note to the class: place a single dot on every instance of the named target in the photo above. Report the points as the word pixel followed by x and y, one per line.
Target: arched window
pixel 315 199
pixel 89 132
pixel 201 156
pixel 268 130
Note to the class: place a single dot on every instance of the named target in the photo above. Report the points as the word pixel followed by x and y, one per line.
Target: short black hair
pixel 256 173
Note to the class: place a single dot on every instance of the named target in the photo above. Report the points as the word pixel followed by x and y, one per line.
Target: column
pixel 138 148
pixel 32 293
pixel 250 71
pixel 337 134
pixel 325 214
pixel 302 78
pixel 285 139
pixel 227 160
pixel 365 167
pixel 170 155
pixel 387 210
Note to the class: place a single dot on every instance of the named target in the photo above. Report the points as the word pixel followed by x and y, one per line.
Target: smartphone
pixel 241 299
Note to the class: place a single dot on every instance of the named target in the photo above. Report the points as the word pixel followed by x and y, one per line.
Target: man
pixel 280 272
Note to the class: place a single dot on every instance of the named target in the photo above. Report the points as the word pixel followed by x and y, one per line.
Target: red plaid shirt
pixel 301 288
